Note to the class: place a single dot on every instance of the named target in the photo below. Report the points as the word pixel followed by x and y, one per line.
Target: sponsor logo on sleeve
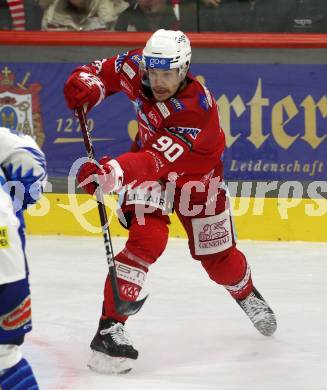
pixel 129 71
pixel 136 58
pixel 163 109
pixel 193 132
pixel 177 104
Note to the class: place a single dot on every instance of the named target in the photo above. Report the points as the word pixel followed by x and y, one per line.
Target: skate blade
pixel 266 329
pixel 105 364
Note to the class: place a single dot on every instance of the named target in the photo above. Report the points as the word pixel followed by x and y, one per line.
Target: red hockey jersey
pixel 178 140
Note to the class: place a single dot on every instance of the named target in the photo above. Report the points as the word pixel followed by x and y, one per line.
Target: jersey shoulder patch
pixel 128 62
pixel 131 64
pixel 176 104
pixel 119 60
pixel 205 98
pixel 136 58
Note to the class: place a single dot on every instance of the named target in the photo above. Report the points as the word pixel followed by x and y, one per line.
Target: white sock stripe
pixel 135 258
pixel 239 286
pixel 10 355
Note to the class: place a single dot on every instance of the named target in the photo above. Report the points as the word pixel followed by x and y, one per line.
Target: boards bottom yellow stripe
pixel 255 218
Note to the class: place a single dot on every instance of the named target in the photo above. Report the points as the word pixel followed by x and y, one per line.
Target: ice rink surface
pixel 190 334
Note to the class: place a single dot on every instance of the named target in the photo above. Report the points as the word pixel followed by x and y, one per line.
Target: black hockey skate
pixel 112 348
pixel 261 315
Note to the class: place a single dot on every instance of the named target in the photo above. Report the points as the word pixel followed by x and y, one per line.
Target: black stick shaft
pixel 122 307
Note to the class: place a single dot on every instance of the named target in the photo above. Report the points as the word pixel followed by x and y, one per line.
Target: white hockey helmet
pixel 168 49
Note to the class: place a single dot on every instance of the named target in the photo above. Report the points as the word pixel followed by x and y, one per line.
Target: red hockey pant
pixel 211 241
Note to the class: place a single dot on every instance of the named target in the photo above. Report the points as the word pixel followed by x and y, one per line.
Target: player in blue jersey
pixel 22 178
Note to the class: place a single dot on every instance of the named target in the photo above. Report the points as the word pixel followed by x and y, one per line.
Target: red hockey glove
pixel 83 88
pixel 106 176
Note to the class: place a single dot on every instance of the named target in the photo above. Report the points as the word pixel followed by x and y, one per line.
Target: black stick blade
pixel 126 308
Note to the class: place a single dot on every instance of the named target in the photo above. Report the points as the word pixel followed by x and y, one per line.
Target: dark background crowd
pixel 149 15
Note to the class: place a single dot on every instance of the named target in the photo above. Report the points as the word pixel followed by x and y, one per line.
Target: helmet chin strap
pixel 182 85
pixel 145 81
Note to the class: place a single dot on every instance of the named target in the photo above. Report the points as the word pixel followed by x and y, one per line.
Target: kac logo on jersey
pixel 154 118
pixel 98 65
pixel 177 104
pixel 20 106
pixel 192 131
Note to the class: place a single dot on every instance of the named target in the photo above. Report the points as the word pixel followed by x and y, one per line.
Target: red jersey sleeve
pixel 109 70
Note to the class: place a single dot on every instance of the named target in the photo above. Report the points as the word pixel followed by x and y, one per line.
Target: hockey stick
pixel 125 308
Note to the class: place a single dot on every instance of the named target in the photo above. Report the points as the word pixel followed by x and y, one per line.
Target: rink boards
pixel 255 218
pixel 273 109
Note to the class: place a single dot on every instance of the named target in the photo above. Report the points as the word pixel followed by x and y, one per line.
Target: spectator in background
pixel 148 15
pixel 264 16
pixel 151 15
pixel 310 16
pixel 211 3
pixel 82 15
pixel 247 16
pixel 20 15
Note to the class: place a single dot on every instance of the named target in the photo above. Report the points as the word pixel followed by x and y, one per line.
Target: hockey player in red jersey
pixel 179 146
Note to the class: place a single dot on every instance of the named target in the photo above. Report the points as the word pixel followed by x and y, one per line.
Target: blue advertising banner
pixel 274 117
